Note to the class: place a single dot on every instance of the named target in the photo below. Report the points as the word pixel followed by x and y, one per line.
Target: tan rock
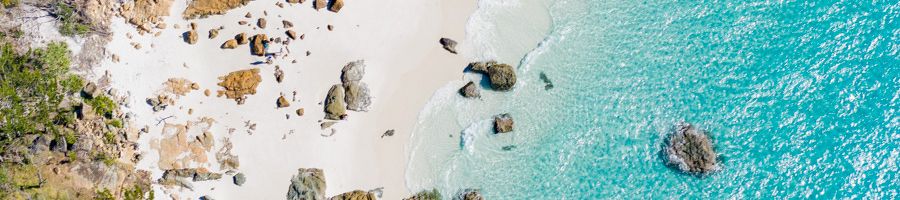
pixel 336 5
pixel 190 37
pixel 206 92
pixel 213 33
pixel 200 8
pixel 258 46
pixel 229 44
pixel 319 4
pixel 287 24
pixel 261 22
pixel 300 112
pixel 282 102
pixel 241 39
pixel 291 34
pixel 238 84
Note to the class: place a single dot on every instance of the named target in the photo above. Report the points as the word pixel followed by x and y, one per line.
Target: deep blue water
pixel 801 99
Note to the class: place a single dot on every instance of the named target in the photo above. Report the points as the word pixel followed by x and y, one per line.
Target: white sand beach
pixel 405 64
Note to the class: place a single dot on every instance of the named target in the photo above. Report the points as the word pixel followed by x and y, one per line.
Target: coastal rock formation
pixel 470 194
pixel 470 90
pixel 426 195
pixel 239 179
pixel 241 39
pixel 353 71
pixel 501 76
pixel 282 102
pixel 334 103
pixel 690 150
pixel 357 96
pixel 238 84
pixel 230 44
pixel 503 123
pixel 355 195
pixel 308 184
pixel 449 45
pixel 202 8
pixel 336 5
pixel 258 47
pixel 319 4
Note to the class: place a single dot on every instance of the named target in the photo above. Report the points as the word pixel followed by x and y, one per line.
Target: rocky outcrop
pixel 191 37
pixel 690 150
pixel 258 48
pixel 308 184
pixel 501 76
pixel 470 90
pixel 355 195
pixel 334 103
pixel 202 8
pixel 449 45
pixel 239 179
pixel 469 194
pixel 503 123
pixel 357 96
pixel 336 5
pixel 229 44
pixel 353 71
pixel 282 102
pixel 426 195
pixel 238 84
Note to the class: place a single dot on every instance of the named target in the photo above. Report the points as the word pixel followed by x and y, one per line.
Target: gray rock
pixel 449 45
pixel 59 144
pixel 90 90
pixel 334 103
pixel 469 194
pixel 501 76
pixel 503 123
pixel 239 179
pixel 353 71
pixel 308 184
pixel 690 150
pixel 470 90
pixel 357 97
pixel 39 144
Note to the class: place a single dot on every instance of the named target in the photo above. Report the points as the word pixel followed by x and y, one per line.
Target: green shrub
pixel 70 23
pixel 103 105
pixel 109 137
pixel 73 83
pixel 9 3
pixel 115 123
pixel 104 194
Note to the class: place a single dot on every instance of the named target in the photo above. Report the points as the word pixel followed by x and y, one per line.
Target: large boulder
pixel 503 123
pixel 449 45
pixel 355 195
pixel 690 150
pixel 336 5
pixel 469 194
pixel 334 103
pixel 308 184
pixel 258 48
pixel 501 76
pixel 357 96
pixel 230 44
pixel 353 71
pixel 470 90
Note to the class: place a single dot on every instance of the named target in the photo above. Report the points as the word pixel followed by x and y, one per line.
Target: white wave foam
pixel 481 29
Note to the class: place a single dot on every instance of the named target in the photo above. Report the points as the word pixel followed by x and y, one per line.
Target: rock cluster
pixel 503 123
pixel 501 76
pixel 449 44
pixel 160 102
pixel 690 150
pixel 238 84
pixel 191 36
pixel 308 184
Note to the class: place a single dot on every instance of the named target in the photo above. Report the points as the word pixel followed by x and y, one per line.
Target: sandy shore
pixel 405 65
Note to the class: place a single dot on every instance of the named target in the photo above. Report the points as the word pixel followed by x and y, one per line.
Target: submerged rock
pixel 501 76
pixel 308 184
pixel 355 195
pixel 547 84
pixel 449 45
pixel 690 150
pixel 470 90
pixel 357 96
pixel 503 123
pixel 334 103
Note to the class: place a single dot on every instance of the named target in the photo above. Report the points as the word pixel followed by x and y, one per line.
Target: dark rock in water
pixel 501 76
pixel 509 147
pixel 449 45
pixel 426 195
pixel 334 103
pixel 355 195
pixel 547 84
pixel 469 194
pixel 239 179
pixel 503 123
pixel 690 150
pixel 308 184
pixel 470 90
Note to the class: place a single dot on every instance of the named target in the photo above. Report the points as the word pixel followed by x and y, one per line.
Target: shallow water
pixel 800 97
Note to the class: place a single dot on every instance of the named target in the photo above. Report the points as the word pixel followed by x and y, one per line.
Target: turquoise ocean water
pixel 801 99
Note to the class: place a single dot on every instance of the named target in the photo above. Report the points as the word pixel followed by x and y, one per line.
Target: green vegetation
pixel 9 3
pixel 103 105
pixel 104 194
pixel 109 138
pixel 70 23
pixel 115 123
pixel 428 195
pixel 31 90
pixel 137 193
